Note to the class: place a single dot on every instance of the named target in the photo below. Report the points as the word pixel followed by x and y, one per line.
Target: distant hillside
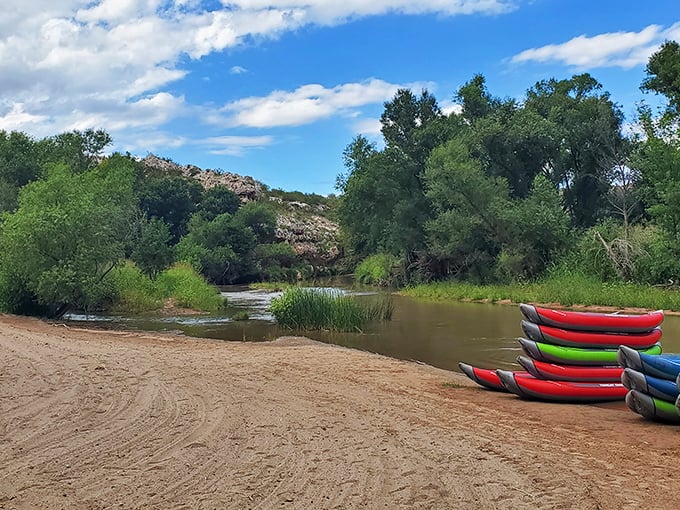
pixel 305 221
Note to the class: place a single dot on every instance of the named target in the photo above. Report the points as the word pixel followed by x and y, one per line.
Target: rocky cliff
pixel 314 237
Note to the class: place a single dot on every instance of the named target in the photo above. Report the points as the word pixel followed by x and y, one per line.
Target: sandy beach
pixel 95 419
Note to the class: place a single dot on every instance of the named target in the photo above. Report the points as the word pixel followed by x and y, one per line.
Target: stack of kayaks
pixel 572 356
pixel 652 382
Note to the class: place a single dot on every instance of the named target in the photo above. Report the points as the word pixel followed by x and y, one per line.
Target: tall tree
pixel 663 75
pixel 69 231
pixel 80 150
pixel 172 199
pixel 19 164
pixel 384 206
pixel 586 122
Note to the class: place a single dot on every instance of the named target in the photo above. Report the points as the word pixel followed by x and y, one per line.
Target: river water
pixel 434 333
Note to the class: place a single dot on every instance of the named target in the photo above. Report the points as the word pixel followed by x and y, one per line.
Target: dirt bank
pixel 130 420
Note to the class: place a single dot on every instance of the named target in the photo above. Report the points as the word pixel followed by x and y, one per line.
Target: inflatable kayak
pixel 663 367
pixel 561 391
pixel 576 373
pixel 652 386
pixel 574 355
pixel 485 377
pixel 591 321
pixel 589 339
pixel 652 408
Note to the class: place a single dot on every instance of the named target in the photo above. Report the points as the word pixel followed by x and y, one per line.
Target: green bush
pixel 300 308
pixel 189 289
pixel 376 270
pixel 136 292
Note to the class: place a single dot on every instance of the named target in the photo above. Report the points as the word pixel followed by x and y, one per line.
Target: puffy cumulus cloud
pixel 307 104
pixel 69 64
pixel 614 49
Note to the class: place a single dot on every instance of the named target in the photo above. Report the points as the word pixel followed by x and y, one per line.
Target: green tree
pixel 19 164
pixel 218 200
pixel 260 218
pixel 151 249
pixel 172 199
pixel 68 233
pixel 467 231
pixel 585 126
pixel 221 249
pixel 80 150
pixel 509 140
pixel 384 207
pixel 480 231
pixel 663 75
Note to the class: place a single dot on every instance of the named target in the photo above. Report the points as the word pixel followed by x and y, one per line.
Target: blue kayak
pixel 653 386
pixel 666 366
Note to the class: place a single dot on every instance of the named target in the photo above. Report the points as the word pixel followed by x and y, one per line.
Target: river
pixel 438 334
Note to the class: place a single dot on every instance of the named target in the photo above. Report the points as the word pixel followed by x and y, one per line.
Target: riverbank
pixel 100 419
pixel 577 292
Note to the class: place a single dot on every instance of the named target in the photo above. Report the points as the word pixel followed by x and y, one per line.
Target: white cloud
pixel 307 104
pixel 235 145
pixel 334 11
pixel 613 49
pixel 449 107
pixel 108 63
pixel 368 127
pixel 238 70
pixel 16 119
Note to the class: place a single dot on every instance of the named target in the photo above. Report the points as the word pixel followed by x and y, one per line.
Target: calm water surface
pixel 434 333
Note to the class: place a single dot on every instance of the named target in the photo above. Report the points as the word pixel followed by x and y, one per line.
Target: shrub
pixel 136 292
pixel 300 308
pixel 189 289
pixel 376 269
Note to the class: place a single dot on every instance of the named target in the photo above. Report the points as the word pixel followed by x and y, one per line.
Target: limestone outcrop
pixel 314 237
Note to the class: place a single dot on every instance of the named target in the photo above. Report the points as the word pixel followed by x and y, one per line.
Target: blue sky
pixel 276 89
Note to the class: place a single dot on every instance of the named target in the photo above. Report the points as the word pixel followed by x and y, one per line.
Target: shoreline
pixel 97 419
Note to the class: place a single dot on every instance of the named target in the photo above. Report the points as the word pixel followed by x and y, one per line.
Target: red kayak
pixel 485 377
pixel 574 373
pixel 589 339
pixel 561 391
pixel 591 321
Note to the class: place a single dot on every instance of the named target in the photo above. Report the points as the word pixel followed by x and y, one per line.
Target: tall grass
pixel 565 288
pixel 189 289
pixel 136 292
pixel 300 308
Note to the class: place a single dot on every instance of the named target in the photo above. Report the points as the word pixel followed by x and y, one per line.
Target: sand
pixel 92 419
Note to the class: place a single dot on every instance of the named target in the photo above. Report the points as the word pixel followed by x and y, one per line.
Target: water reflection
pixel 434 333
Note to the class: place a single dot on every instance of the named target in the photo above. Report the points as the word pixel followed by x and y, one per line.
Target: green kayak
pixel 575 355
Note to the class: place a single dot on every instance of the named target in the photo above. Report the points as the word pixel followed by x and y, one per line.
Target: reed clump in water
pixel 300 308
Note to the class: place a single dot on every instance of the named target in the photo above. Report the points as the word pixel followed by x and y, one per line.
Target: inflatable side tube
pixel 591 321
pixel 663 367
pixel 562 355
pixel 575 373
pixel 589 339
pixel 561 391
pixel 677 405
pixel 652 386
pixel 652 408
pixel 485 378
